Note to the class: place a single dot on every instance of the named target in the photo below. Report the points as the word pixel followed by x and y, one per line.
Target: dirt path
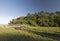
pixel 55 36
pixel 49 35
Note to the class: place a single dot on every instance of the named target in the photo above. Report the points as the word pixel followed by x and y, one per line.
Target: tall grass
pixel 11 34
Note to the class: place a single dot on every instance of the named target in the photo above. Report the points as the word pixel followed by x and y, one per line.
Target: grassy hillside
pixel 30 34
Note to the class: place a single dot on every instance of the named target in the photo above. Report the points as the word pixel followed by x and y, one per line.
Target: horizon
pixel 11 9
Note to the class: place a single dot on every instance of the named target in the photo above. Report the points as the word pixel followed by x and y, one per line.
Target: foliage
pixel 39 19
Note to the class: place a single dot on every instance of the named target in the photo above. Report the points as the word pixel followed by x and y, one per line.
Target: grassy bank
pixel 30 34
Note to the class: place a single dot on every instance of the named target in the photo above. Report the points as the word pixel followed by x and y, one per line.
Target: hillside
pixel 45 19
pixel 30 34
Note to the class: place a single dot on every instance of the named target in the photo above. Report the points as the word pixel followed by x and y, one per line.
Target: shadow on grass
pixel 55 36
pixel 45 34
pixel 11 37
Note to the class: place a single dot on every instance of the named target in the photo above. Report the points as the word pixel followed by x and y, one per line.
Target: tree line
pixel 44 19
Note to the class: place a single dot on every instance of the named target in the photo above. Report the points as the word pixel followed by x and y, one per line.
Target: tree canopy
pixel 39 19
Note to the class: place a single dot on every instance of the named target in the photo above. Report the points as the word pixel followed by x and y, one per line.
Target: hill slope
pixel 39 19
pixel 30 34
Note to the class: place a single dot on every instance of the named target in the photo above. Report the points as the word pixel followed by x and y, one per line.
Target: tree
pixel 39 19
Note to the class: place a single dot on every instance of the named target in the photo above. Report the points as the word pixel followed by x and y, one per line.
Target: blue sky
pixel 10 9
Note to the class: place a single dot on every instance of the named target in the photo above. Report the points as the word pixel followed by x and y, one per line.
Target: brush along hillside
pixel 43 19
pixel 40 26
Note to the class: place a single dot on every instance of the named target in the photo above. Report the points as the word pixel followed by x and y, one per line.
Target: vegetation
pixel 43 19
pixel 30 34
pixel 41 26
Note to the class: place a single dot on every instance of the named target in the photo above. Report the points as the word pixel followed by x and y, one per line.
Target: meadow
pixel 30 34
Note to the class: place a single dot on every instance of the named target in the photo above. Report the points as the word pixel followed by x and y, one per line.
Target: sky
pixel 10 9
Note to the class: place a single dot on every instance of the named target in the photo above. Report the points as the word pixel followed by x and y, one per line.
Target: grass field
pixel 30 34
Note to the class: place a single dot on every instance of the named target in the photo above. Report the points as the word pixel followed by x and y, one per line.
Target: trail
pixel 50 35
pixel 45 34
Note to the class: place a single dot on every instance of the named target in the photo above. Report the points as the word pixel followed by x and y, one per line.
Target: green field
pixel 30 34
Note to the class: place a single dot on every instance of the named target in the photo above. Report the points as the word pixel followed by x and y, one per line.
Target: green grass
pixel 29 34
